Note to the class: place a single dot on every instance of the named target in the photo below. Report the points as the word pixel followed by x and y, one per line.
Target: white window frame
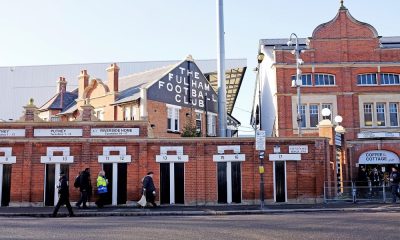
pixel 211 124
pixel 99 113
pixel 307 100
pixel 380 110
pixel 173 115
pixel 364 79
pixel 324 74
pixel 199 117
pixel 392 112
pixel 382 75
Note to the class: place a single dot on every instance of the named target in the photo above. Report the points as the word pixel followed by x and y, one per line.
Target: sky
pixel 48 32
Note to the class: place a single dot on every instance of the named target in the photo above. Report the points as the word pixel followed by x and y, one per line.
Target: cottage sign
pixel 185 86
pixel 378 157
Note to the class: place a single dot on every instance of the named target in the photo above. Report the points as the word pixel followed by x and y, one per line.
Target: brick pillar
pixel 87 113
pixel 200 174
pixel 143 164
pixel 30 113
pixel 325 128
pixel 26 189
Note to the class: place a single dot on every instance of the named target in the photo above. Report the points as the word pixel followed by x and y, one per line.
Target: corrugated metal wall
pixel 19 84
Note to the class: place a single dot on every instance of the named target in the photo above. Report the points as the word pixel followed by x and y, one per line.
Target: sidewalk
pixel 199 210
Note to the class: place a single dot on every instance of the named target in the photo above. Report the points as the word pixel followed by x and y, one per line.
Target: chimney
pixel 61 85
pixel 112 73
pixel 83 82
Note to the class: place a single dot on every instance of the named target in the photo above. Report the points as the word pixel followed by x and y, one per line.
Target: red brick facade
pixel 304 178
pixel 345 49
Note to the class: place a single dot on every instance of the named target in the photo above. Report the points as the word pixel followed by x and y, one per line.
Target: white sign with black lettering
pixel 50 158
pixel 120 158
pixel 7 158
pixel 284 157
pixel 165 158
pixel 114 132
pixel 12 132
pixel 260 140
pixel 235 157
pixel 58 132
pixel 378 157
pixel 298 149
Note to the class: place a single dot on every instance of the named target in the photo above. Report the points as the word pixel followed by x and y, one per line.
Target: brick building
pixel 349 69
pixel 173 98
pixel 192 171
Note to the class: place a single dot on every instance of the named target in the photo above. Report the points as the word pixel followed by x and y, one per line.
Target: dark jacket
pixel 394 178
pixel 85 183
pixel 63 188
pixel 148 184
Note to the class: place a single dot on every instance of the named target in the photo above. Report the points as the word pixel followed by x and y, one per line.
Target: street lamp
pixel 298 82
pixel 337 142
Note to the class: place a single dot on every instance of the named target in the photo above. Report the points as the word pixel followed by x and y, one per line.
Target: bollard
pixel 354 192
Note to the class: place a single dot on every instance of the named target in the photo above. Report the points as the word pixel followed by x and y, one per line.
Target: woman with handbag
pixel 101 189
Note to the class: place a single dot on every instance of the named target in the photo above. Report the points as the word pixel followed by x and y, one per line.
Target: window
pixel 198 122
pixel 389 79
pixel 305 79
pixel 99 113
pixel 303 115
pixel 380 114
pixel 173 118
pixel 328 106
pixel 367 114
pixel 324 79
pixel 211 124
pixel 126 113
pixel 133 112
pixel 366 79
pixel 54 119
pixel 314 116
pixel 393 109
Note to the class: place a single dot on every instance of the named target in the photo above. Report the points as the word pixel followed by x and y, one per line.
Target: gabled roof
pixel 60 101
pixel 131 84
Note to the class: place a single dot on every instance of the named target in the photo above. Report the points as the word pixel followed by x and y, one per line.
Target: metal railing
pixel 353 191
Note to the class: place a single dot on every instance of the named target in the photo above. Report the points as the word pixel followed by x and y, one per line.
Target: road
pixel 321 225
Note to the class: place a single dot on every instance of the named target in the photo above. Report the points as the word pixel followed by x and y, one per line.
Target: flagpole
pixel 222 115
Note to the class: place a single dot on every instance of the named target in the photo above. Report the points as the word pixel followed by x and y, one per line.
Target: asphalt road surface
pixel 322 225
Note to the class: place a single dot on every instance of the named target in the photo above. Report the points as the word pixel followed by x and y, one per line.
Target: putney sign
pixel 185 86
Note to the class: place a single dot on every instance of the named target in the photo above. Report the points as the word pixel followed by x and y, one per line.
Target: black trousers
pixel 63 200
pixel 395 194
pixel 150 197
pixel 101 200
pixel 83 199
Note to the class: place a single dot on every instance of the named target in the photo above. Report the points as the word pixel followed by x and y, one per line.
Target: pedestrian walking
pixel 149 189
pixel 101 189
pixel 376 179
pixel 63 191
pixel 394 179
pixel 362 183
pixel 85 188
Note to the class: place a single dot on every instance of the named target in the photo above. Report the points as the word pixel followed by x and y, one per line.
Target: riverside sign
pixel 185 86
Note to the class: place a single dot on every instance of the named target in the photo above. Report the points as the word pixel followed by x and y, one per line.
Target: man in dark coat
pixel 394 184
pixel 362 183
pixel 63 191
pixel 149 189
pixel 85 187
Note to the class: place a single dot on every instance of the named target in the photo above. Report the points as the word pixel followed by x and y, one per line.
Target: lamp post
pixel 337 142
pixel 298 81
pixel 261 154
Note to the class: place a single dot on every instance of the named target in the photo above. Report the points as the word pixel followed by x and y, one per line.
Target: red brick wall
pixel 305 178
